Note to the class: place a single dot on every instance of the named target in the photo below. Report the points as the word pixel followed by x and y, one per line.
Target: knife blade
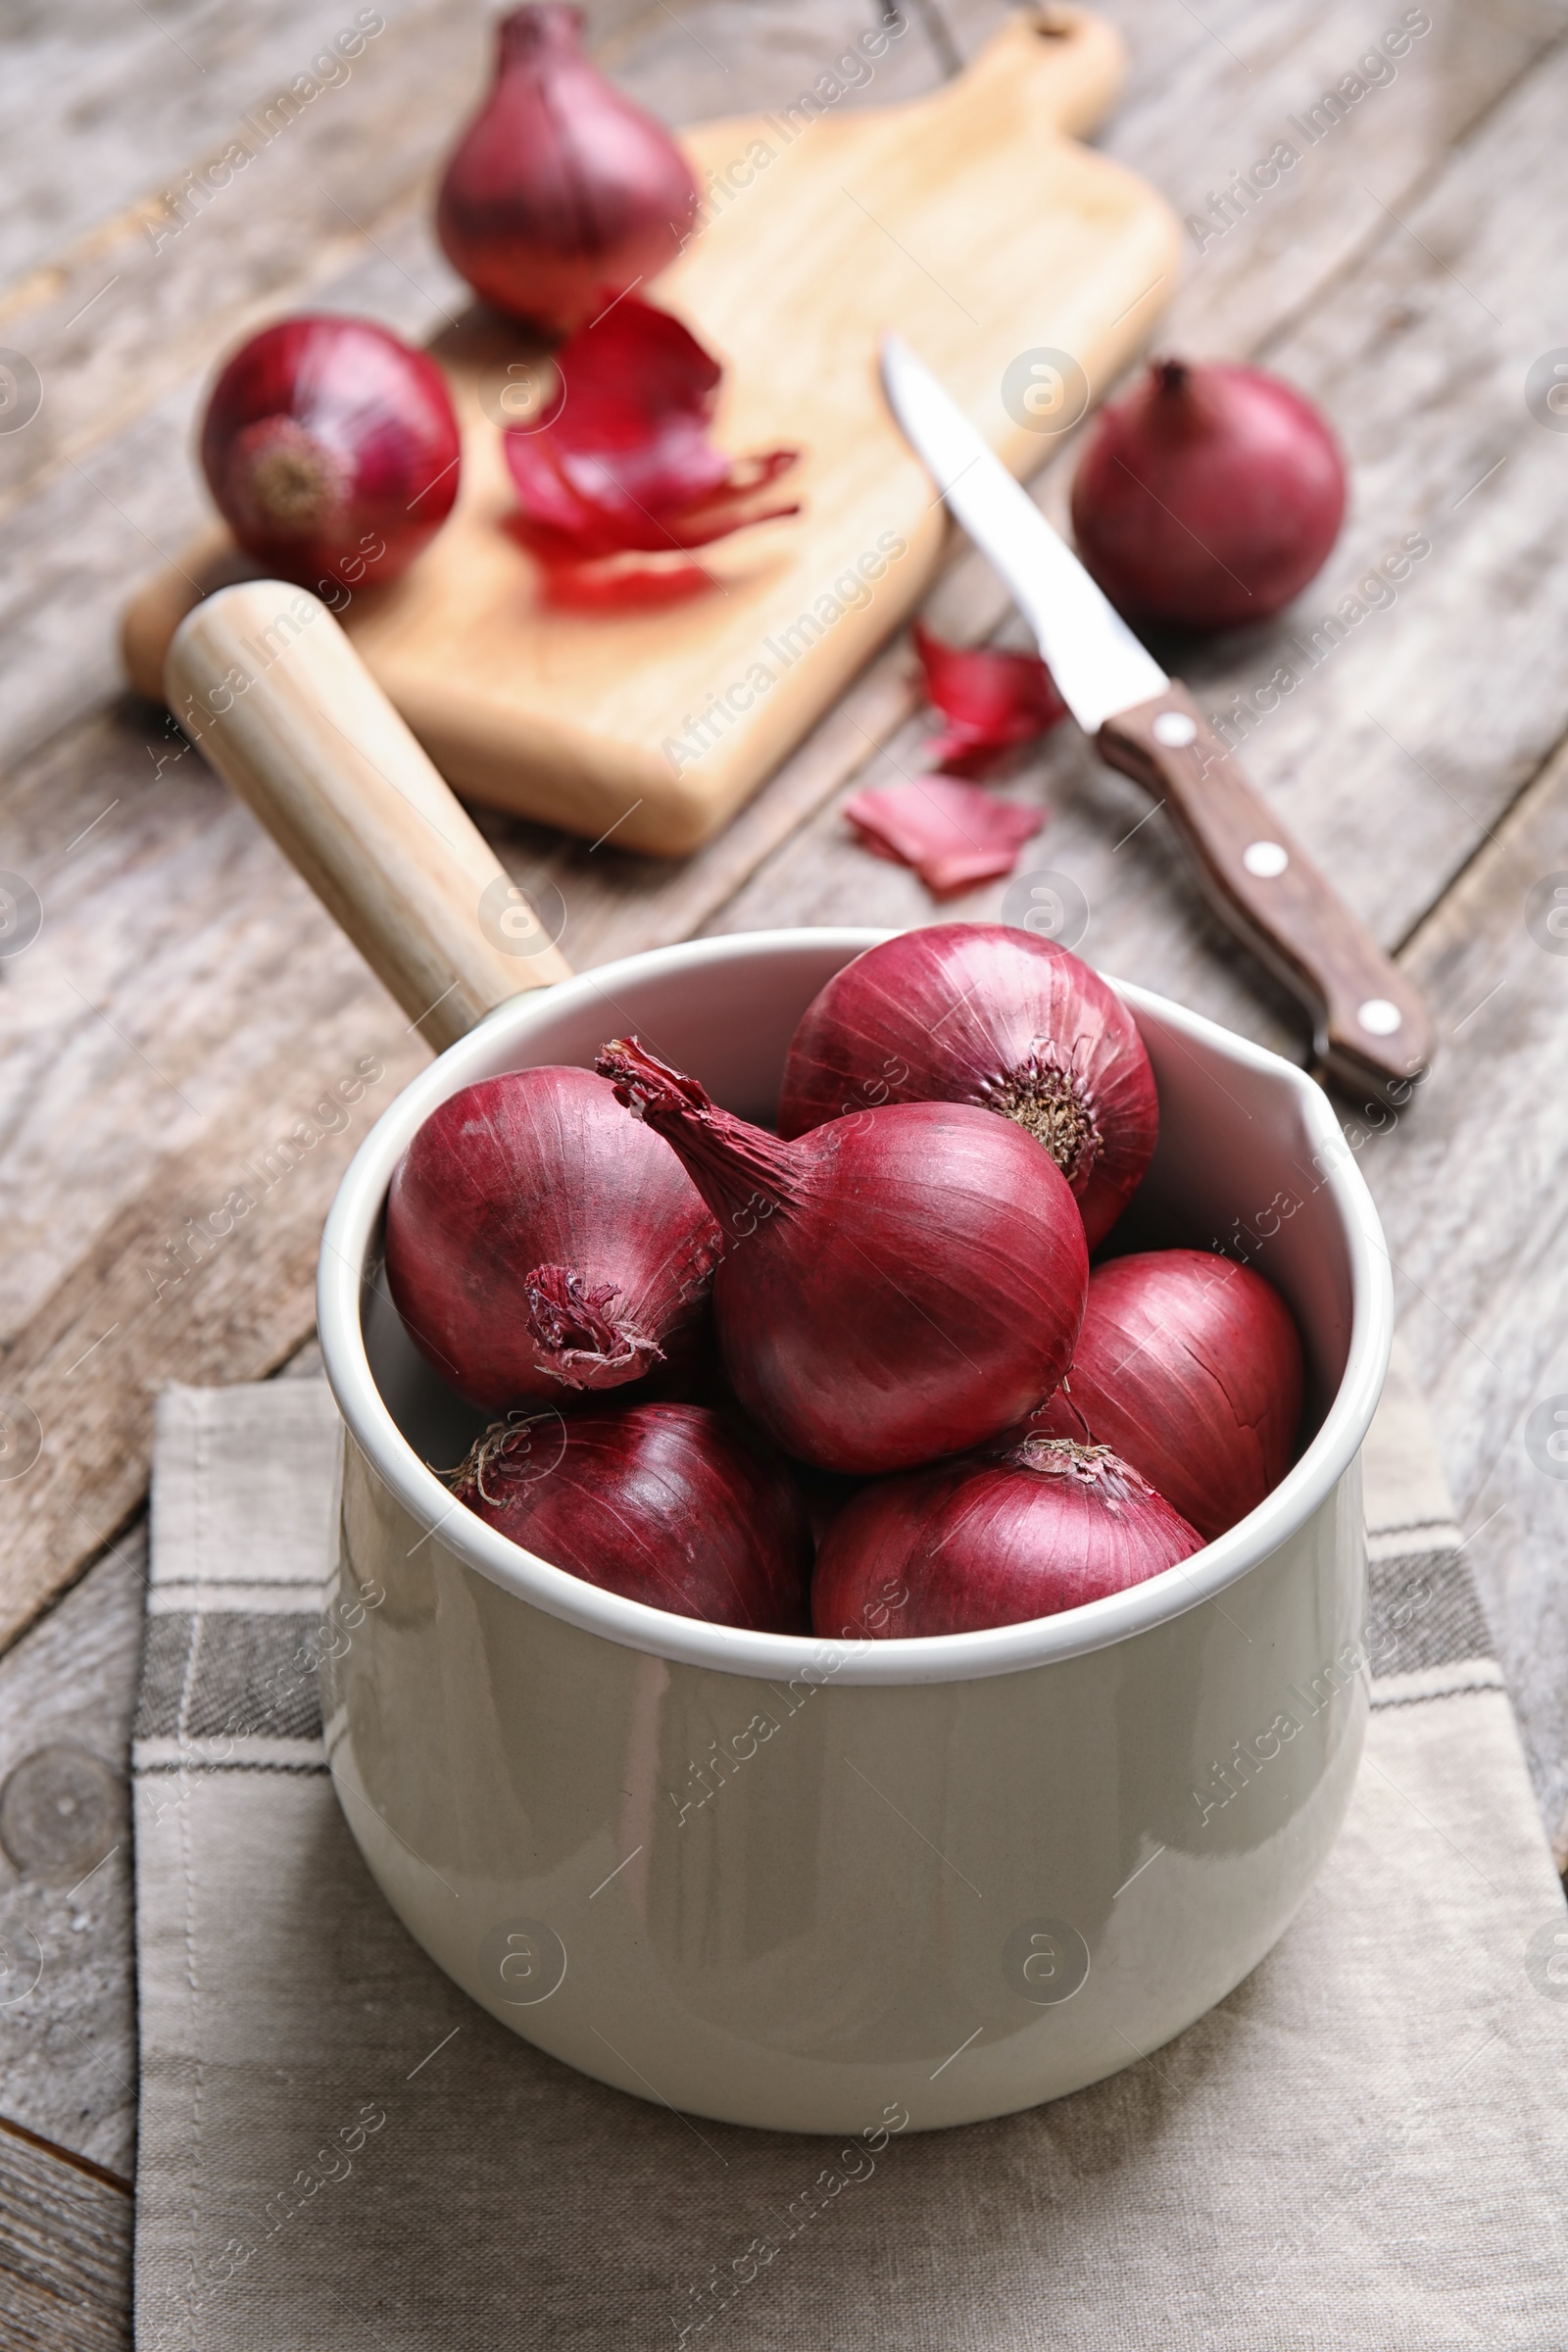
pixel 1370 1027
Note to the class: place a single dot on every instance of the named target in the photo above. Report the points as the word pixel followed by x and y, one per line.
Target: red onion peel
pixel 953 835
pixel 621 462
pixel 660 1503
pixel 991 1016
pixel 1190 1365
pixel 534 1247
pixel 1044 1527
pixel 889 1280
pixel 993 702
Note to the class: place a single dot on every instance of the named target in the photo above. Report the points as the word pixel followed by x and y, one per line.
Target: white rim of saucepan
pixel 725 1650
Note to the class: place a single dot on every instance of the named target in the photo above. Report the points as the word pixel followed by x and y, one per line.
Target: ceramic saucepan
pixel 780 1880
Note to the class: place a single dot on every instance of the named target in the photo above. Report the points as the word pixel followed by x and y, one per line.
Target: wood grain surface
pixel 186 1000
pixel 67 2049
pixel 65 2252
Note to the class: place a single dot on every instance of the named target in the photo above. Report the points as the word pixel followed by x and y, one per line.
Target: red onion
pixel 1044 1527
pixel 332 450
pixel 622 463
pixel 992 701
pixel 561 193
pixel 1191 1368
pixel 984 1013
pixel 1208 497
pixel 659 1502
pixel 889 1281
pixel 534 1246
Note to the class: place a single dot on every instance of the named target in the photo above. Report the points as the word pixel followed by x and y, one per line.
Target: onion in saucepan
pixel 994 1539
pixel 662 1503
pixel 983 1013
pixel 1190 1366
pixel 537 1244
pixel 894 1283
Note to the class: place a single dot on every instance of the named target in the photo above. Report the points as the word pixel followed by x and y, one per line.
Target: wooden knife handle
pixel 265 680
pixel 1370 1027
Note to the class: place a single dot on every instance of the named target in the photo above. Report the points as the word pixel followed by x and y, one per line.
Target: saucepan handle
pixel 262 677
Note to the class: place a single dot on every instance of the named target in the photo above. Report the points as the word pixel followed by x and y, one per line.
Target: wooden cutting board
pixel 973 224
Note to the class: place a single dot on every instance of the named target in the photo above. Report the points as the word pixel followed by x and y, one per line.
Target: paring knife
pixel 1370 1027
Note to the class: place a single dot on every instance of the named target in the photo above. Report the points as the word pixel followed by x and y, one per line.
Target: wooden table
pixel 186 1000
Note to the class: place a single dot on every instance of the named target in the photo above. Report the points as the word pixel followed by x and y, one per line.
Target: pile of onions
pixel 660 1503
pixel 985 1015
pixel 561 193
pixel 1208 497
pixel 332 450
pixel 538 1245
pixel 1045 1526
pixel 920 1376
pixel 1190 1366
pixel 893 1284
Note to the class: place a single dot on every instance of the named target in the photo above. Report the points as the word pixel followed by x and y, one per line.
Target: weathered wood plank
pixel 105 109
pixel 1473 1189
pixel 96 1086
pixel 207 1275
pixel 67 2047
pixel 116 320
pixel 97 110
pixel 1212 90
pixel 64 2253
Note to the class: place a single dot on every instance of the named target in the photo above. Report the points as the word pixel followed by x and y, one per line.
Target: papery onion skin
pixel 1190 1366
pixel 993 1540
pixel 1208 497
pixel 993 702
pixel 889 1280
pixel 660 1503
pixel 536 1248
pixel 952 834
pixel 621 463
pixel 332 450
pixel 988 1014
pixel 561 193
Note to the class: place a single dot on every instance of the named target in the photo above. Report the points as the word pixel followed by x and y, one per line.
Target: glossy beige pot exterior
pixel 801 1883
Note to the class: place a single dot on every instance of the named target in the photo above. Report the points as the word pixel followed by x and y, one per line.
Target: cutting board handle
pixel 263 679
pixel 1060 62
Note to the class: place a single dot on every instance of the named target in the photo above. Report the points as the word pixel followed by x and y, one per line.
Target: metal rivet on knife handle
pixel 1371 1028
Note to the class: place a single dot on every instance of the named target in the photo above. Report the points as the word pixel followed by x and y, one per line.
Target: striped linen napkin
pixel 1363 2147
